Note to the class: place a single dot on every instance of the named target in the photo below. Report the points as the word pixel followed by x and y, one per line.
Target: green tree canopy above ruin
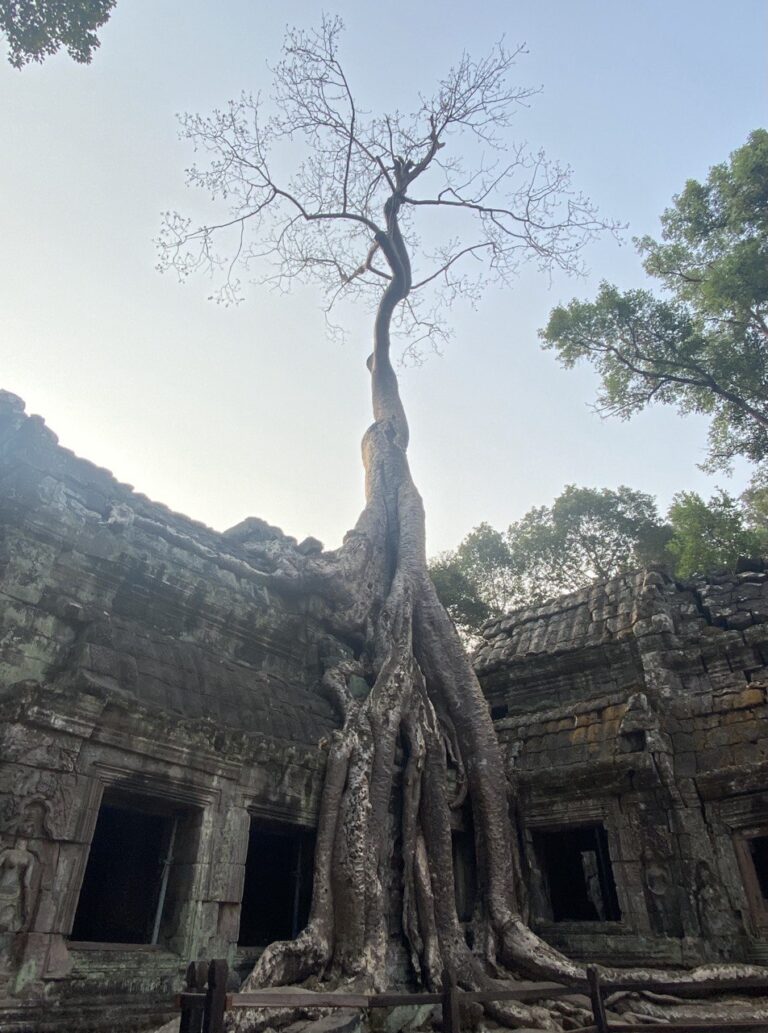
pixel 714 535
pixel 702 343
pixel 590 535
pixel 587 534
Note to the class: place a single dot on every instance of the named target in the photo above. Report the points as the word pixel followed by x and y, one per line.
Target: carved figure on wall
pixel 21 870
pixel 592 882
pixel 662 897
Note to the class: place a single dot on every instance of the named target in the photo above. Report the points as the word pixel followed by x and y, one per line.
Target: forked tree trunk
pixel 424 732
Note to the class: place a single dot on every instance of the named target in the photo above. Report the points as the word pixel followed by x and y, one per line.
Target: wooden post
pixel 596 995
pixel 216 997
pixel 192 1015
pixel 451 1019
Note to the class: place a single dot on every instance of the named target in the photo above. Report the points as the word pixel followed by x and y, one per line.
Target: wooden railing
pixel 205 1001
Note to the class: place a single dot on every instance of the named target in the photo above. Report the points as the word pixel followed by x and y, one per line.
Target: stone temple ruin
pixel 161 741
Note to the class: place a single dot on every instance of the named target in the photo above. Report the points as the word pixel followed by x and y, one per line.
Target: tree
pixel 346 218
pixel 477 580
pixel 584 536
pixel 460 594
pixel 35 29
pixel 703 347
pixel 710 536
pixel 590 535
pixel 754 501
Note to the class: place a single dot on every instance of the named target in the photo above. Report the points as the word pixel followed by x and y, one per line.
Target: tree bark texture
pixel 419 744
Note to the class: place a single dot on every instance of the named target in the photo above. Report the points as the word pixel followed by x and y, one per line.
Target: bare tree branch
pixel 361 179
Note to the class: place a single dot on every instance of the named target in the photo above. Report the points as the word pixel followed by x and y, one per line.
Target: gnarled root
pixel 386 805
pixel 648 1007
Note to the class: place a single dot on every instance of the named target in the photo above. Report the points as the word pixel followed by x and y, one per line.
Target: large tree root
pixel 420 743
pixel 651 1007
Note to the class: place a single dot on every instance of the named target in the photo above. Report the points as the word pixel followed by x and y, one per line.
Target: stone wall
pixel 638 706
pixel 151 664
pixel 142 657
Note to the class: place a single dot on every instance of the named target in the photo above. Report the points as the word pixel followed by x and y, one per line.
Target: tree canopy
pixel 590 535
pixel 36 29
pixel 703 344
pixel 585 535
pixel 711 535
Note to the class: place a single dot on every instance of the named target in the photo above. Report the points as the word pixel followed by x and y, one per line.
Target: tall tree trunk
pixel 422 737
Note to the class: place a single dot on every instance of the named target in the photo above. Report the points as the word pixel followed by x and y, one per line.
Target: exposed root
pixel 417 746
pixel 650 1007
pixel 291 961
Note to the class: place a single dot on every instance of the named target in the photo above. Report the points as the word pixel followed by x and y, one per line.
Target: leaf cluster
pixel 36 29
pixel 589 535
pixel 712 536
pixel 585 535
pixel 702 345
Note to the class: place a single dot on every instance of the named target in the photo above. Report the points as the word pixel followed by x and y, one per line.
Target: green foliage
pixel 477 580
pixel 590 535
pixel 703 347
pixel 459 594
pixel 35 29
pixel 486 559
pixel 710 536
pixel 585 535
pixel 755 504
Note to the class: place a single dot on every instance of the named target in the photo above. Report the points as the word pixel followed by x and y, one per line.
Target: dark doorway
pixel 752 853
pixel 577 874
pixel 758 851
pixel 278 883
pixel 119 897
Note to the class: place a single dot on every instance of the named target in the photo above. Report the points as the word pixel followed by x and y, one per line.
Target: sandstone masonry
pixel 162 728
pixel 636 709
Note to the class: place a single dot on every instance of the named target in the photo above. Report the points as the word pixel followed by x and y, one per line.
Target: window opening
pixel 758 851
pixel 278 884
pixel 577 873
pixel 751 847
pixel 126 877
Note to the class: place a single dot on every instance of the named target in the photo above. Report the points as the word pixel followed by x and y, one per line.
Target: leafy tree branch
pixel 703 345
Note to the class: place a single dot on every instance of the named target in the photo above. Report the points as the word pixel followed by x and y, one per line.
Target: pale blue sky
pixel 252 411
